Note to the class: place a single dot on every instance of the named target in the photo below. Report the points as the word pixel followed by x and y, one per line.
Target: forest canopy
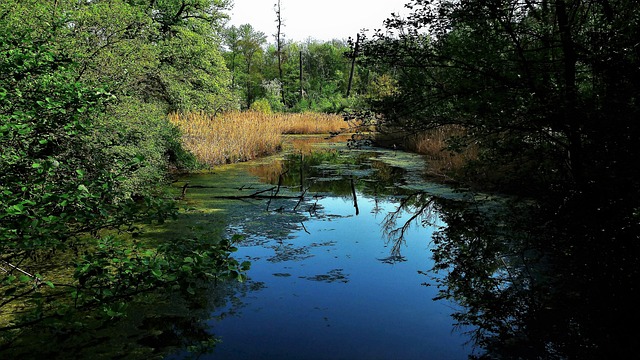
pixel 548 90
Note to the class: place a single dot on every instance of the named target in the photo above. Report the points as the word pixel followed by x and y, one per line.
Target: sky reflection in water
pixel 329 294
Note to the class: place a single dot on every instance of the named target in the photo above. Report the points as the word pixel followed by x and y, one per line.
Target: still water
pixel 336 274
pixel 331 292
pixel 328 282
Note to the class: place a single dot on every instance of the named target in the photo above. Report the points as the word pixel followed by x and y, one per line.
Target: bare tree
pixel 280 46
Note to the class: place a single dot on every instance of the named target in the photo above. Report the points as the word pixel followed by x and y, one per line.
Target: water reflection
pixel 335 286
pixel 554 279
pixel 332 172
pixel 557 279
pixel 420 209
pixel 541 282
pixel 341 244
pixel 157 324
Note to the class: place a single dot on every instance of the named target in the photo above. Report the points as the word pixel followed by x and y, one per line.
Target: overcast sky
pixel 318 19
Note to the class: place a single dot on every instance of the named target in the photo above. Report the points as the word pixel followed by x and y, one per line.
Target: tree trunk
pixel 248 85
pixel 571 116
pixel 301 88
pixel 353 64
pixel 279 50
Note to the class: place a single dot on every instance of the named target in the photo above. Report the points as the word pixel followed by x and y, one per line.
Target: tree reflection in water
pixel 534 281
pixel 421 206
pixel 156 326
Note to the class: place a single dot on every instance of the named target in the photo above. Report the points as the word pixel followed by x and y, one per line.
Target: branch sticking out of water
pixel 355 198
pixel 280 178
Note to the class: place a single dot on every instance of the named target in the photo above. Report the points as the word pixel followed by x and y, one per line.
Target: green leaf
pixel 17 209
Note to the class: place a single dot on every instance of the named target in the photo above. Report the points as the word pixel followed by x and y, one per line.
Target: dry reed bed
pixel 433 143
pixel 310 123
pixel 241 136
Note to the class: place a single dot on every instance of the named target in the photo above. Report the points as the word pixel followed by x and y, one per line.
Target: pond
pixel 356 255
pixel 331 278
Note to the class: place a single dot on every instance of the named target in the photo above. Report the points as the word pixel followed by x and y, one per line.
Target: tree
pixel 83 160
pixel 173 14
pixel 250 44
pixel 191 74
pixel 354 56
pixel 280 46
pixel 232 41
pixel 528 80
pixel 548 90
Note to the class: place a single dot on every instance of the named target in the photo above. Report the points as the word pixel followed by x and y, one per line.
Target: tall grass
pixel 310 123
pixel 433 144
pixel 241 136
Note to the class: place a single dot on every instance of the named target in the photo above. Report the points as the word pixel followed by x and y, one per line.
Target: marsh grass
pixel 311 123
pixel 241 136
pixel 433 144
pixel 308 144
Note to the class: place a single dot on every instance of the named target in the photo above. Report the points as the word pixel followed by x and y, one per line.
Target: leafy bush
pixel 261 106
pixel 77 168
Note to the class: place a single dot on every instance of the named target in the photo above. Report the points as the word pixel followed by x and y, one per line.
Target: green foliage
pixel 166 52
pixel 193 72
pixel 325 70
pixel 174 14
pixel 531 83
pixel 250 44
pixel 48 188
pixel 118 270
pixel 262 106
pixel 334 103
pixel 255 72
pixel 85 150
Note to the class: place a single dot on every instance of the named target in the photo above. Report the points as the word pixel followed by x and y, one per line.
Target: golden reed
pixel 433 144
pixel 241 136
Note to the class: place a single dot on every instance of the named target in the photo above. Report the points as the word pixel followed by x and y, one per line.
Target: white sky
pixel 322 20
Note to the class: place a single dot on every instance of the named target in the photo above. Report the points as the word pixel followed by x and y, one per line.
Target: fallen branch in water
pixel 253 196
pixel 258 195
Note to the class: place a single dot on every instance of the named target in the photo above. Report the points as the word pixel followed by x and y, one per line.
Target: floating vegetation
pixel 335 275
pixel 289 252
pixel 282 275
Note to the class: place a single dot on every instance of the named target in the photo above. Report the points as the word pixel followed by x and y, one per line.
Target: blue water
pixel 328 293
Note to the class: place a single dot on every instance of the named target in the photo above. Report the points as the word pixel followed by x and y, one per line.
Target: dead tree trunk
pixel 353 64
